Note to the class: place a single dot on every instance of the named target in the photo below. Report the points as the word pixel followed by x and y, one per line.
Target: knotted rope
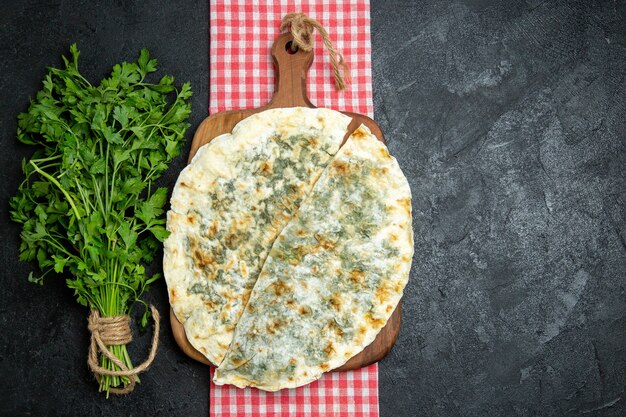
pixel 109 331
pixel 301 27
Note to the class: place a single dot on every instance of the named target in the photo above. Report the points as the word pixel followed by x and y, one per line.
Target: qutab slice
pixel 333 276
pixel 229 205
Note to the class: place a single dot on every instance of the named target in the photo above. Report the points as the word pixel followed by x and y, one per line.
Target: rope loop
pixel 301 27
pixel 111 331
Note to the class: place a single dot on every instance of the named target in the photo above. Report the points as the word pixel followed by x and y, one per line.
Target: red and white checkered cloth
pixel 242 33
pixel 241 76
pixel 341 394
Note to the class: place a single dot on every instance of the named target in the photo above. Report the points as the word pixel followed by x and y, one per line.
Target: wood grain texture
pixel 291 73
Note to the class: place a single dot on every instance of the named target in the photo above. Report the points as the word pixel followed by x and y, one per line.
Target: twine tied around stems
pixel 109 331
pixel 301 27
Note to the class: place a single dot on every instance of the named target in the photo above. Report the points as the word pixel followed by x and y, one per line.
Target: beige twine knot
pixel 109 331
pixel 301 27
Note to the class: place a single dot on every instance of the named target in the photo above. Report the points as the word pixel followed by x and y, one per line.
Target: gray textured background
pixel 507 117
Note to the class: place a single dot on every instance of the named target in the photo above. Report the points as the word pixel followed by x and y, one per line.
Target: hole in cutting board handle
pixel 288 48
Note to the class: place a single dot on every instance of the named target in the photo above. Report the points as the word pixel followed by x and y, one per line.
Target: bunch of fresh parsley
pixel 88 205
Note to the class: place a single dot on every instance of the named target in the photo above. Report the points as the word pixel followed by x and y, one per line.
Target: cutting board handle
pixel 291 73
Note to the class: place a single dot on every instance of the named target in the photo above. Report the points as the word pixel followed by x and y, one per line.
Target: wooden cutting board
pixel 291 73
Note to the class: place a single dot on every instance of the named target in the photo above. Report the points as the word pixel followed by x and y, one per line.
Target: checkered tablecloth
pixel 241 76
pixel 242 33
pixel 351 393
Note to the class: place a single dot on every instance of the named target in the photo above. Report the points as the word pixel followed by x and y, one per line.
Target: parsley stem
pixel 50 158
pixel 55 182
pixel 121 284
pixel 83 197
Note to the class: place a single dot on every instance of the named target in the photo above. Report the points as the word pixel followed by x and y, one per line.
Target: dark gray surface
pixel 508 120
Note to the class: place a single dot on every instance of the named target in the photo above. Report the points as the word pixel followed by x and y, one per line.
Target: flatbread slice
pixel 333 277
pixel 228 207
